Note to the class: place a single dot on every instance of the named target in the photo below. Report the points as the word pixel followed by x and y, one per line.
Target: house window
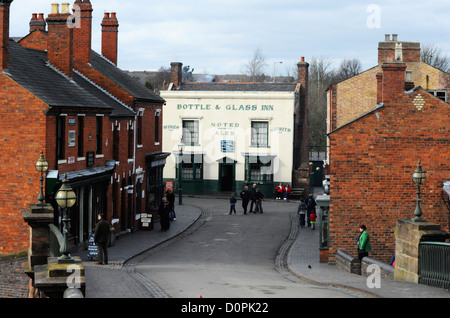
pixel 60 137
pixel 80 136
pixel 260 134
pixel 139 127
pixel 130 141
pixel 442 95
pixel 191 132
pixel 157 115
pixel 98 135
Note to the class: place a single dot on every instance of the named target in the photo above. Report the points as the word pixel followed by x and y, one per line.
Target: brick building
pixel 94 123
pixel 382 123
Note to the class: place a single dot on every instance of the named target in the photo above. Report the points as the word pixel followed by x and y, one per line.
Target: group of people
pixel 307 212
pixel 282 192
pixel 253 196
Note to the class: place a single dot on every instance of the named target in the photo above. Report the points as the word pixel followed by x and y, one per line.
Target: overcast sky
pixel 220 36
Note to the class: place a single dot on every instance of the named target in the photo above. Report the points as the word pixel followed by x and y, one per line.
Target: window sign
pixel 71 138
pixel 227 145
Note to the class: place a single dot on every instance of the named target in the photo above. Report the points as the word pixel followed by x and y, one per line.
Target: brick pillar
pixel 379 88
pixel 110 35
pixel 393 79
pixel 82 31
pixel 176 75
pixel 4 33
pixel 60 40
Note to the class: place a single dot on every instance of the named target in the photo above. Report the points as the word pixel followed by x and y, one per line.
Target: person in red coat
pixel 279 191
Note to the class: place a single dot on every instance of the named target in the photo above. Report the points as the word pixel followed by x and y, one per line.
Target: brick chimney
pixel 60 39
pixel 387 53
pixel 82 31
pixel 37 22
pixel 303 80
pixel 4 33
pixel 110 35
pixel 176 75
pixel 393 80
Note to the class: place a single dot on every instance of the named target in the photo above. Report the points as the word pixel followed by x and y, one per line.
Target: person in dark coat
pixel 245 196
pixel 101 238
pixel 259 197
pixel 252 194
pixel 171 198
pixel 163 211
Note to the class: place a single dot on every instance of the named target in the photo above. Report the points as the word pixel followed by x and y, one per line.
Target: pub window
pixel 258 170
pixel 60 137
pixel 260 134
pixel 98 135
pixel 192 170
pixel 191 132
pixel 80 136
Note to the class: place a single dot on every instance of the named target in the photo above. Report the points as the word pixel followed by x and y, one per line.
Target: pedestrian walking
pixel 171 198
pixel 163 211
pixel 245 196
pixel 311 208
pixel 259 197
pixel 101 238
pixel 252 193
pixel 279 190
pixel 302 208
pixel 233 201
pixel 363 242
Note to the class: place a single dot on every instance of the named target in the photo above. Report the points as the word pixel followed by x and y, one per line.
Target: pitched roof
pixel 29 68
pixel 244 87
pixel 121 78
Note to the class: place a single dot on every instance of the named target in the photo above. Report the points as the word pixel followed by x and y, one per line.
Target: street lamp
pixel 418 178
pixel 41 166
pixel 66 198
pixel 180 173
pixel 274 63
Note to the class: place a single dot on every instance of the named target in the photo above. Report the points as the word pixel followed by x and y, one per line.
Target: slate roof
pixel 128 83
pixel 29 68
pixel 244 87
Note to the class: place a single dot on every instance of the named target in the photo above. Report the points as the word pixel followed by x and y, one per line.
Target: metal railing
pixel 434 264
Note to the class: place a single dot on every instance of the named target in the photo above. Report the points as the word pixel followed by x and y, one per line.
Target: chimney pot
pixel 387 37
pixel 55 8
pixel 395 37
pixel 302 59
pixel 34 16
pixel 65 8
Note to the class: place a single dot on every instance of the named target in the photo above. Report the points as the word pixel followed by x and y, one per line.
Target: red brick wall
pixel 60 43
pixel 110 37
pixel 22 140
pixel 82 32
pixel 36 40
pixel 372 161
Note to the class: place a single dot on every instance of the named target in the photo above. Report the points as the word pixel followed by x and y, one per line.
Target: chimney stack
pixel 176 75
pixel 392 50
pixel 4 33
pixel 82 31
pixel 110 36
pixel 394 75
pixel 303 80
pixel 60 39
pixel 37 22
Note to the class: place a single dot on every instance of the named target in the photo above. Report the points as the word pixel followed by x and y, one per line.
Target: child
pixel 313 217
pixel 233 201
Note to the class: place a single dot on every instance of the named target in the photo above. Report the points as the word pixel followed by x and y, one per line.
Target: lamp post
pixel 66 198
pixel 274 63
pixel 180 173
pixel 41 166
pixel 418 178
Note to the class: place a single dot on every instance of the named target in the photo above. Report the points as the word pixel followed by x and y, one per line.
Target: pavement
pixel 302 261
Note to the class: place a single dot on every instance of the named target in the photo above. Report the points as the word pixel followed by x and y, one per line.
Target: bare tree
pixel 347 69
pixel 432 55
pixel 254 69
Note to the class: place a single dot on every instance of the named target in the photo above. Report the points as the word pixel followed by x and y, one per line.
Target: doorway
pixel 226 177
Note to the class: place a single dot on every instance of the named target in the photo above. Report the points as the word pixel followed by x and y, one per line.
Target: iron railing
pixel 434 264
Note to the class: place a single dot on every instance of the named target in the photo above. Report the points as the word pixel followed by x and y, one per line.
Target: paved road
pixel 230 256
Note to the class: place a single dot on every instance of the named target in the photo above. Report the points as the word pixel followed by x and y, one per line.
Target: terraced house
pixel 95 125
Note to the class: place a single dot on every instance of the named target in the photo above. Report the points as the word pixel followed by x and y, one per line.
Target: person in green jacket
pixel 363 242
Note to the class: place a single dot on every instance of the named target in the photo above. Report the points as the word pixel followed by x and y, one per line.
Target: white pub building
pixel 234 133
